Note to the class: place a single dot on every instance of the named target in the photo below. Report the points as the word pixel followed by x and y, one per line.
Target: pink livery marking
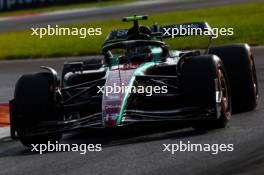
pixel 112 101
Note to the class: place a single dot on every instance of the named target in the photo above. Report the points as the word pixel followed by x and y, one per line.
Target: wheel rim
pixel 254 77
pixel 222 96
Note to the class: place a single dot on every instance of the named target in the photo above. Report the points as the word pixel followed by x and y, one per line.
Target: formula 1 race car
pixel 137 80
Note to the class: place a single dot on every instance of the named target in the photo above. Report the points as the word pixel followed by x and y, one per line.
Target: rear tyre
pixel 240 67
pixel 34 103
pixel 205 85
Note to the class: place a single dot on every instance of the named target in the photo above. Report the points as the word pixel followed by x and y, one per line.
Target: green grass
pixel 65 7
pixel 245 19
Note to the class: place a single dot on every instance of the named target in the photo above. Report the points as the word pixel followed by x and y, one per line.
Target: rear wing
pixel 115 35
pixel 168 31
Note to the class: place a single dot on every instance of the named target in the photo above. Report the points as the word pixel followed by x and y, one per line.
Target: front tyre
pixel 34 103
pixel 205 85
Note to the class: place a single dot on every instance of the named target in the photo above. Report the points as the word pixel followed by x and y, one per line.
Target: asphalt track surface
pixel 118 11
pixel 140 152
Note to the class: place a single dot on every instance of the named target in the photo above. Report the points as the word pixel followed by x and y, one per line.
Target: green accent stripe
pixel 138 71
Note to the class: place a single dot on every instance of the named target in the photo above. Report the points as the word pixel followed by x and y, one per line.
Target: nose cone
pixel 114 95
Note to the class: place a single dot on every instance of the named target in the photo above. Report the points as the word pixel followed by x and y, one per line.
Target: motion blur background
pixel 16 41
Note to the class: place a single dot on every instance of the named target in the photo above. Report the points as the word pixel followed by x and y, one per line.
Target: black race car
pixel 138 80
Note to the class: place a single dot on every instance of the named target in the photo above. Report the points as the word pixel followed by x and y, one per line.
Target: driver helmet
pixel 139 54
